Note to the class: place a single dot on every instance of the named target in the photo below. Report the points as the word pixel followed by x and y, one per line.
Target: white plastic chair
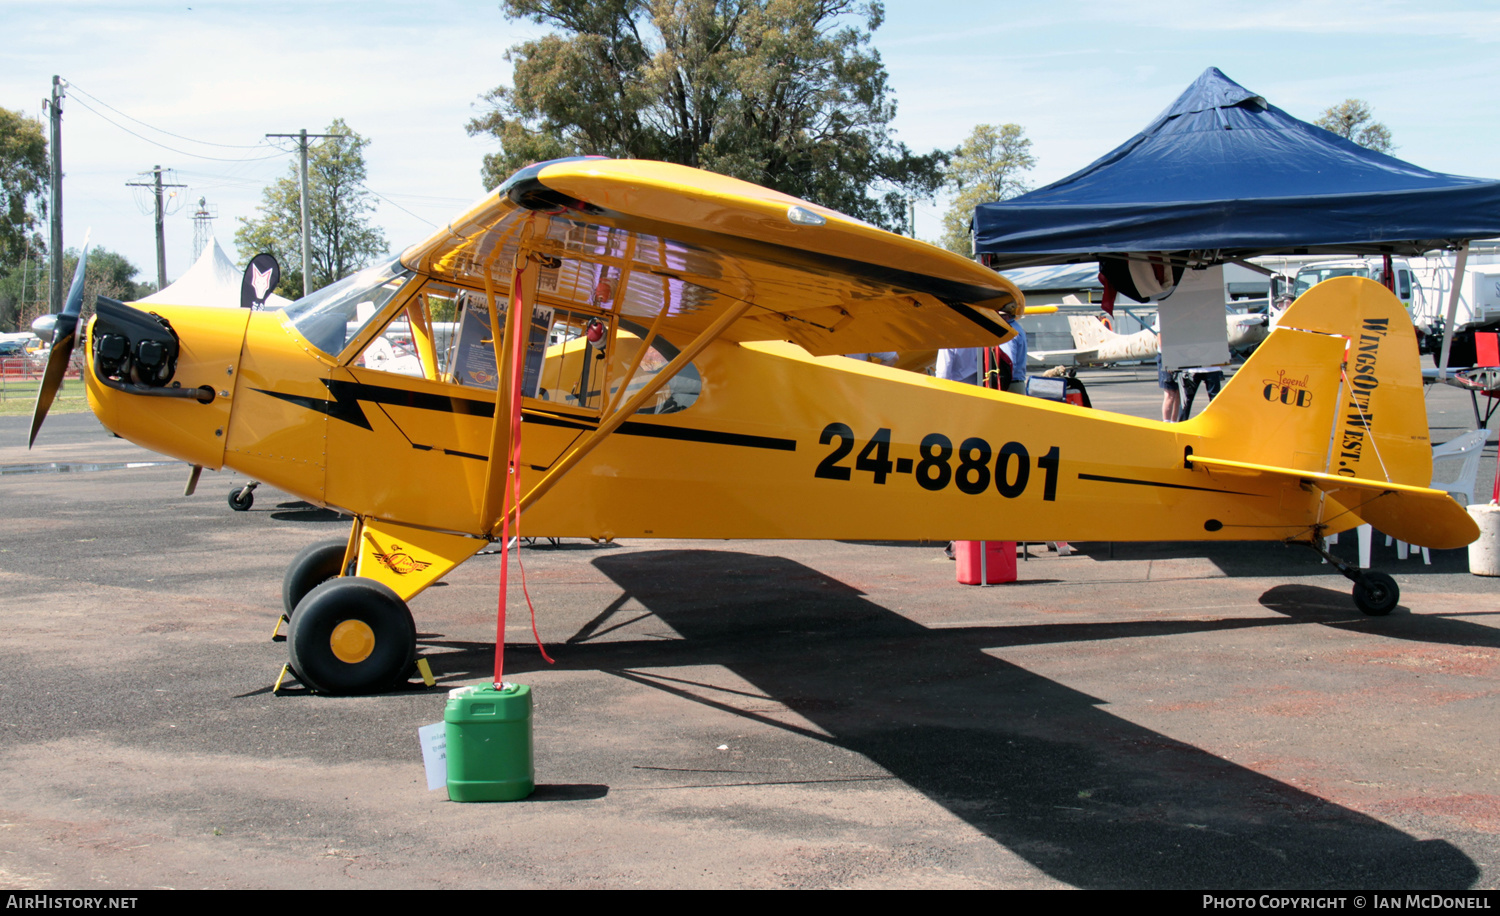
pixel 1365 533
pixel 1470 445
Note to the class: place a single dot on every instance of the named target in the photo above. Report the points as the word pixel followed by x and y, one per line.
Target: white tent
pixel 213 280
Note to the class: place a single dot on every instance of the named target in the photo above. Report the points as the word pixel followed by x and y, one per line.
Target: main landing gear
pixel 348 626
pixel 352 635
pixel 1375 593
pixel 345 634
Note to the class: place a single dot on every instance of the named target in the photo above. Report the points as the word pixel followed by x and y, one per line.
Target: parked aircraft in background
pixel 1097 345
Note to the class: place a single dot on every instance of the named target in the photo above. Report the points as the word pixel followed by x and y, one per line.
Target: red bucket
pixel 985 562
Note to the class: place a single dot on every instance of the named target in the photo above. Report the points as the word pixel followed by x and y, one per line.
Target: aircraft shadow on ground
pixel 1238 559
pixel 1312 604
pixel 1087 797
pixel 299 511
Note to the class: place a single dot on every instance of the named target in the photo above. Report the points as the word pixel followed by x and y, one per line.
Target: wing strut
pixel 616 419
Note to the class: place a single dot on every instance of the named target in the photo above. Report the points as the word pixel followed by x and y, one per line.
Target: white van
pixel 1373 268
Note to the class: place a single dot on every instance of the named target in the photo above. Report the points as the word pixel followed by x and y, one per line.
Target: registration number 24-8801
pixel 973 467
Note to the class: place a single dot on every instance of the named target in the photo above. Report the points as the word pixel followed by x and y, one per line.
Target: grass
pixel 18 398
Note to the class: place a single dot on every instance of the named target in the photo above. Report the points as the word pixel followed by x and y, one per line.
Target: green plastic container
pixel 489 743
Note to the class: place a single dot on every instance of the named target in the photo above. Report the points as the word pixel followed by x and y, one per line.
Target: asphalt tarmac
pixel 738 714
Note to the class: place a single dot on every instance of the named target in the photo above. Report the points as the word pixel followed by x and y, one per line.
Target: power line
pixel 436 199
pixel 75 87
pixel 398 206
pixel 232 180
pixel 179 152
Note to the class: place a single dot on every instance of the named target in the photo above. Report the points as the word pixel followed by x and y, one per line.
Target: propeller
pixel 64 336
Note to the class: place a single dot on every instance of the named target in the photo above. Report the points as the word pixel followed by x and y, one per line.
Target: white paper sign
pixel 1193 328
pixel 434 740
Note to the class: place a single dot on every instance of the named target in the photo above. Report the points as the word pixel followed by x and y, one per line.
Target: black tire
pixel 1376 594
pixel 375 658
pixel 316 564
pixel 241 499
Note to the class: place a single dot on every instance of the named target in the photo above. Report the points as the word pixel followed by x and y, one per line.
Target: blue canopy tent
pixel 1223 175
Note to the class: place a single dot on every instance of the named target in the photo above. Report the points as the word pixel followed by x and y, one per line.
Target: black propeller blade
pixel 64 336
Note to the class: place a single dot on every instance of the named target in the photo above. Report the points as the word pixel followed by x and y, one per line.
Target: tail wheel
pixel 316 564
pixel 1376 594
pixel 351 636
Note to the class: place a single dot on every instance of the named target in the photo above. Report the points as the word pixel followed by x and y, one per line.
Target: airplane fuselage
pixel 777 444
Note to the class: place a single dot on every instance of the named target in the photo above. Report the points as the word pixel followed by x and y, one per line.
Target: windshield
pixel 332 316
pixel 1309 277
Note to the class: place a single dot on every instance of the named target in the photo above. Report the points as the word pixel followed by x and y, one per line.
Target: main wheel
pixel 316 564
pixel 351 635
pixel 241 499
pixel 1376 594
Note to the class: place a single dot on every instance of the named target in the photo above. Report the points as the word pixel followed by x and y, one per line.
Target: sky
pixel 195 85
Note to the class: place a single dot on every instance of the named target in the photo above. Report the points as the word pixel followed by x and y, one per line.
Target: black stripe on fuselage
pixel 678 433
pixel 347 395
pixel 1158 483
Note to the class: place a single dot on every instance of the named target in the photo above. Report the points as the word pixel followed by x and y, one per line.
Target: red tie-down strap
pixel 512 485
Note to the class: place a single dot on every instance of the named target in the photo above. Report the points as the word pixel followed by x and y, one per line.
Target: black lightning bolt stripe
pixel 347 395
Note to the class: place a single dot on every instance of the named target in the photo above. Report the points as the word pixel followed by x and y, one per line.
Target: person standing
pixel 1171 400
pixel 1015 350
pixel 959 365
pixel 1210 377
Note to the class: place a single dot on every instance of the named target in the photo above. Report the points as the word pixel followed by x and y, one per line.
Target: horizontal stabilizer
pixel 1416 515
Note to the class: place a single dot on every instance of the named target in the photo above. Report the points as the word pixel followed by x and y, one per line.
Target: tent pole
pixel 1458 277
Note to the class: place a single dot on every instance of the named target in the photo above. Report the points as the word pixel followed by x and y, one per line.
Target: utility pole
pixel 161 233
pixel 301 137
pixel 54 110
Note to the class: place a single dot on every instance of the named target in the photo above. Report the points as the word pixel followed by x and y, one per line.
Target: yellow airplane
pixel 664 343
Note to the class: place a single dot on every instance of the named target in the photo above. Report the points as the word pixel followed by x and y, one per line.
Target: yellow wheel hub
pixel 352 641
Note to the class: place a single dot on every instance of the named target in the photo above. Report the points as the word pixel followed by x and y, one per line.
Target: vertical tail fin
pixel 1335 389
pixel 1089 332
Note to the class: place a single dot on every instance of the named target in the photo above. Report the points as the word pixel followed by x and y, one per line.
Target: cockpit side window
pixel 574 370
pixel 572 358
pixel 469 357
pixel 678 394
pixel 403 347
pixel 335 314
pixel 564 352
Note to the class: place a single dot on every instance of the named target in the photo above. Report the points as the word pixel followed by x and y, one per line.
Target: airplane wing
pixel 647 237
pixel 1049 358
